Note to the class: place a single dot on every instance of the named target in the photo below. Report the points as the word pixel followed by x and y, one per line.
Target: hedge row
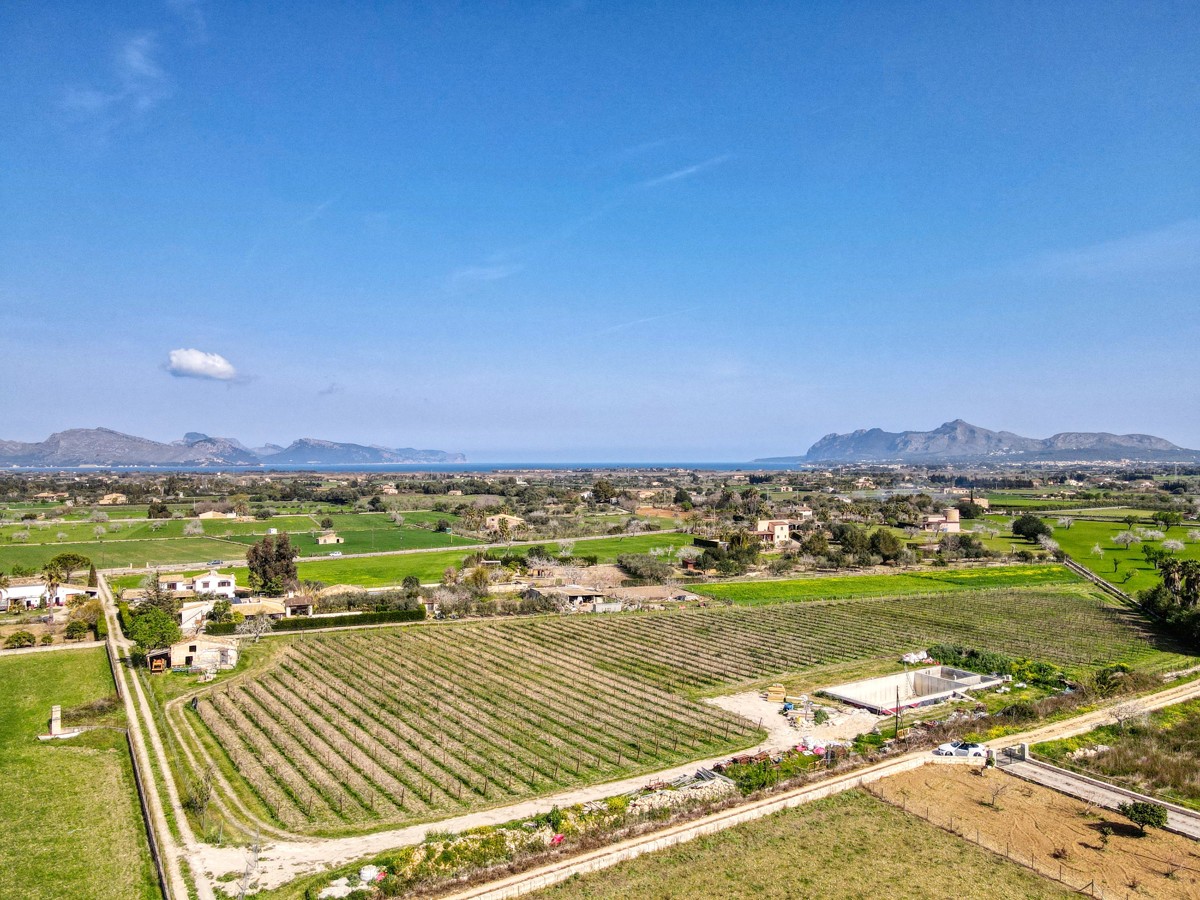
pixel 372 618
pixel 301 623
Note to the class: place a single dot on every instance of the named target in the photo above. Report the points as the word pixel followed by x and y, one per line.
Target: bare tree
pixel 1123 714
pixel 1097 550
pixel 999 789
pixel 255 626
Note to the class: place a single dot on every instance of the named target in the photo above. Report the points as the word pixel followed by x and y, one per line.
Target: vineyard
pixel 367 729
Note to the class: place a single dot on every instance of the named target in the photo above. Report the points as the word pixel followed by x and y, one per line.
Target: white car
pixel 961 748
pixel 336 553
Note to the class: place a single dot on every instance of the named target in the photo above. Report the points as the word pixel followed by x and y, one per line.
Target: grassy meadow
pixel 849 845
pixel 380 571
pixel 756 593
pixel 69 812
pixel 1124 567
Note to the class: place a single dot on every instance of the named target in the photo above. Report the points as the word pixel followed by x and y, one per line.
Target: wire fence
pixel 1082 880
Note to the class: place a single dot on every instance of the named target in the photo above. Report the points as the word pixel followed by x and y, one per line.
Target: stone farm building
pixel 212 582
pixel 492 523
pixel 206 653
pixel 945 522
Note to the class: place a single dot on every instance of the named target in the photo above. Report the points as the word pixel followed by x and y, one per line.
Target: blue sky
pixel 591 230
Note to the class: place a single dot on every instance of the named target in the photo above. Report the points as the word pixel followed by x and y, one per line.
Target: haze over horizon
pixel 597 233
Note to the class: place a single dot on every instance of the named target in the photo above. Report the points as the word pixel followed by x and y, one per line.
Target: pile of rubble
pixel 686 789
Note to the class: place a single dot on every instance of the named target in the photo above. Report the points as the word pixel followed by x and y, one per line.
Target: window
pixel 192 649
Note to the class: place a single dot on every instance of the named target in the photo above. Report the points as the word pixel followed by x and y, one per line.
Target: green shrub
pixel 19 639
pixel 304 623
pixel 76 630
pixel 1143 814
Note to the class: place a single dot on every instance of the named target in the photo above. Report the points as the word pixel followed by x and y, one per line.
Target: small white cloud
pixel 187 363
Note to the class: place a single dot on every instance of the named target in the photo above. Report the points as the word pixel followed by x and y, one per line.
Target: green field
pixel 69 811
pixel 756 593
pixel 1124 567
pixel 151 529
pixel 847 846
pixel 162 542
pixel 370 540
pixel 380 571
pixel 107 554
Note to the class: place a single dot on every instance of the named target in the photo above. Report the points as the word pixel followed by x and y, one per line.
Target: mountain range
pixel 104 447
pixel 960 441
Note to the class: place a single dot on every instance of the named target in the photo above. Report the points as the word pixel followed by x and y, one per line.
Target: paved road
pixel 1179 820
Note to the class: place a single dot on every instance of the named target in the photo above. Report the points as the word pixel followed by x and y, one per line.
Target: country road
pixel 1180 820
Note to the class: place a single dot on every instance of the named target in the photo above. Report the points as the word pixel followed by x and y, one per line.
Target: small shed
pixel 298 606
pixel 330 537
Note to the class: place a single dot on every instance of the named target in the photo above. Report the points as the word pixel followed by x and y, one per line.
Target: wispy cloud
pixel 1170 249
pixel 633 323
pixel 192 15
pixel 140 84
pixel 315 213
pixel 473 276
pixel 192 363
pixel 686 171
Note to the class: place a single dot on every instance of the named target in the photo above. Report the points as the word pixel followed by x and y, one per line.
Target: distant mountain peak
pixel 106 447
pixel 960 441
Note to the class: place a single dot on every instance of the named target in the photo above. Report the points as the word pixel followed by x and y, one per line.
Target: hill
pixel 103 447
pixel 960 441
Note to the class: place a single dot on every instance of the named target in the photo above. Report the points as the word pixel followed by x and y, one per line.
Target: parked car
pixel 216 562
pixel 336 553
pixel 961 748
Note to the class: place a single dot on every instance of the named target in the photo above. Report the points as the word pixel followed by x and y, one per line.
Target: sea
pixel 462 467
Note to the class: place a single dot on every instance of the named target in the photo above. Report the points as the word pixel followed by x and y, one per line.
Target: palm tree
pixel 53 575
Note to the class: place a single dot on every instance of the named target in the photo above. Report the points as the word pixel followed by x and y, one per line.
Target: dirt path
pixel 52 648
pixel 167 847
pixel 138 713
